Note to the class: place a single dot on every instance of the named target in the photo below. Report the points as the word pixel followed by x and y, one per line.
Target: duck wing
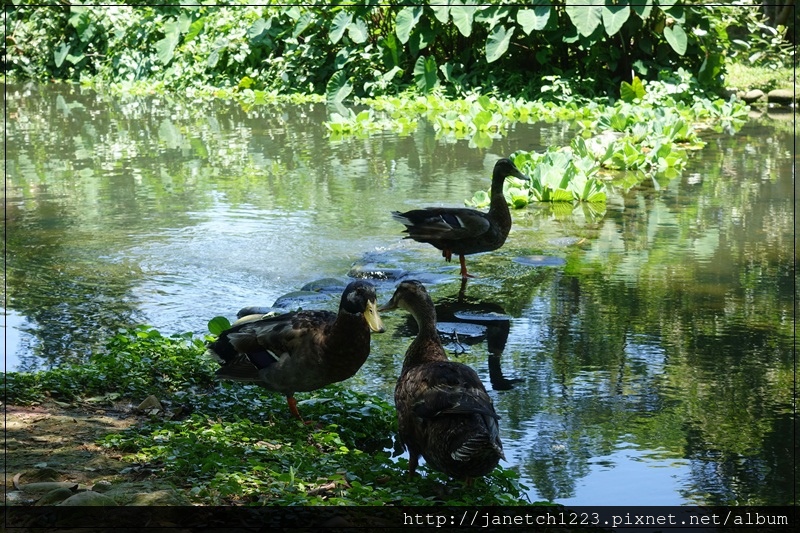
pixel 441 223
pixel 261 342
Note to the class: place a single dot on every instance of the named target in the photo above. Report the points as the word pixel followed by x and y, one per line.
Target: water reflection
pixel 645 344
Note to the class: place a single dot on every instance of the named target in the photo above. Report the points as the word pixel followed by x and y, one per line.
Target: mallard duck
pixel 443 411
pixel 464 231
pixel 301 351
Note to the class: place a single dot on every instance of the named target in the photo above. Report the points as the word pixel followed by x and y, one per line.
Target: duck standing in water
pixel 301 351
pixel 443 411
pixel 463 231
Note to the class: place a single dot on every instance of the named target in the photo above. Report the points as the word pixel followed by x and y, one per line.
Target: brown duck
pixel 301 351
pixel 463 231
pixel 443 411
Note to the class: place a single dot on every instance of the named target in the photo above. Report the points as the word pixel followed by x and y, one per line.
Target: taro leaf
pixel 405 22
pixel 184 22
pixel 442 13
pixel 643 8
pixel 629 91
pixel 497 43
pixel 586 15
pixel 676 38
pixel 197 26
pixel 218 324
pixel 213 58
pixel 462 18
pixel 166 46
pixel 339 26
pixel 358 31
pixel 75 59
pixel 303 22
pixel 338 88
pixel 614 16
pixel 533 19
pixel 389 52
pixel 425 73
pixel 60 54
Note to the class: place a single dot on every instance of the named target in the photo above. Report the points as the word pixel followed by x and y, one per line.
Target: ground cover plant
pixel 226 444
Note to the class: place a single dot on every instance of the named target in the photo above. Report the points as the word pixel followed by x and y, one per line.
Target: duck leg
pixel 293 408
pixel 464 273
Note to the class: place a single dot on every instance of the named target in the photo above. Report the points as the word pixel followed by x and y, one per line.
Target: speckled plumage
pixel 463 231
pixel 301 351
pixel 443 411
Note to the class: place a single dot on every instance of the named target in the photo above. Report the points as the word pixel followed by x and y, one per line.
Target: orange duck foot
pixel 464 273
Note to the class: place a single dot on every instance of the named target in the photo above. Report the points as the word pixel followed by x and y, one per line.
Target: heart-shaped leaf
pixel 497 43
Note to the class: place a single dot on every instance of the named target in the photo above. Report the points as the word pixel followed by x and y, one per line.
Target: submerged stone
pixel 540 260
pixel 304 299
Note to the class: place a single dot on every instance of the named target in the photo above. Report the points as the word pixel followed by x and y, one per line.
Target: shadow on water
pixel 648 343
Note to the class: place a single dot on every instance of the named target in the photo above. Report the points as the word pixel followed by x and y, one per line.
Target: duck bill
pixel 373 318
pixel 521 176
pixel 388 306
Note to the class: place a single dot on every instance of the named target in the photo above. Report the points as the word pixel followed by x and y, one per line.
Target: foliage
pixel 135 363
pixel 375 49
pixel 239 444
pixel 649 129
pixel 250 452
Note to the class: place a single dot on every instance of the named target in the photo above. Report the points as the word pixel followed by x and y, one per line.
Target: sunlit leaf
pixel 534 19
pixel 630 91
pixel 497 43
pixel 425 73
pixel 614 16
pixel 61 54
pixel 358 31
pixel 441 12
pixel 406 19
pixel 338 88
pixel 462 18
pixel 586 15
pixel 676 37
pixel 197 26
pixel 339 26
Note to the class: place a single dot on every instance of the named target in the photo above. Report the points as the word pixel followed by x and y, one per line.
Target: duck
pixel 444 414
pixel 461 230
pixel 301 351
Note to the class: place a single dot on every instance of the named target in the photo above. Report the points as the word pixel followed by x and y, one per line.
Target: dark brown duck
pixel 443 411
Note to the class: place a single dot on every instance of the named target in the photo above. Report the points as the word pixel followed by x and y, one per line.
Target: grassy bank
pixel 226 444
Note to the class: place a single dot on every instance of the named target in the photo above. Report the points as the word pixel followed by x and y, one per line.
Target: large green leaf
pixel 60 54
pixel 166 46
pixel 425 73
pixel 358 31
pixel 628 92
pixel 338 88
pixel 534 19
pixel 462 18
pixel 441 12
pixel 197 26
pixel 614 16
pixel 405 22
pixel 643 8
pixel 339 25
pixel 218 324
pixel 497 43
pixel 676 38
pixel 586 15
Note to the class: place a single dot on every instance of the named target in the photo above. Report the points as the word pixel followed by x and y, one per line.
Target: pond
pixel 639 354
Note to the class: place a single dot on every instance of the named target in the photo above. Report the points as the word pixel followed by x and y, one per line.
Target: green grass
pixel 745 78
pixel 239 445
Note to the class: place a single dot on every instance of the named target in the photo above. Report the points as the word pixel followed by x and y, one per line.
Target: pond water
pixel 640 354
